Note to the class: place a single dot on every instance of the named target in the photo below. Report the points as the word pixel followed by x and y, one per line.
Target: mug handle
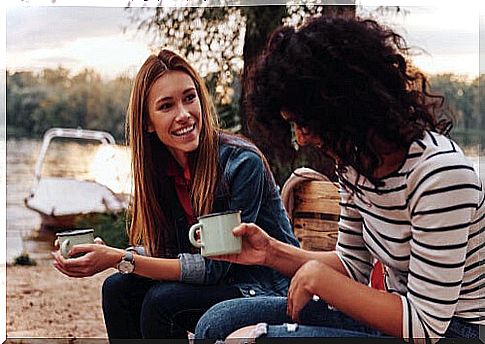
pixel 191 235
pixel 64 247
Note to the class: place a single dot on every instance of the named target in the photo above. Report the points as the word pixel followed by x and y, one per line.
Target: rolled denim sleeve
pixel 199 270
pixel 192 268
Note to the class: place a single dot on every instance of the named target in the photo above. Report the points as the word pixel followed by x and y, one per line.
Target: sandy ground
pixel 42 302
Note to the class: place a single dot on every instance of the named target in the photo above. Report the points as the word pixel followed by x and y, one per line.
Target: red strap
pixel 377 276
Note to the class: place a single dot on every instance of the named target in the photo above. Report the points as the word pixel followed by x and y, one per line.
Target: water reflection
pixel 63 158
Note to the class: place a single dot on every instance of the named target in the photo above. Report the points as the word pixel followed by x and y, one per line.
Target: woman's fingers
pixel 289 306
pixel 71 264
pixel 67 272
pixel 244 229
pixel 83 266
pixel 82 248
pixel 58 257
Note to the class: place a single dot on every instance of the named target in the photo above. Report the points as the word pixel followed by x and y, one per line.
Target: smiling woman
pixel 174 111
pixel 183 167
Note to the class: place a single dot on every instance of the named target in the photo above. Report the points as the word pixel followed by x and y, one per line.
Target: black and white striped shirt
pixel 426 226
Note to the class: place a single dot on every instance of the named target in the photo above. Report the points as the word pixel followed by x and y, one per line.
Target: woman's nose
pixel 304 137
pixel 300 135
pixel 183 114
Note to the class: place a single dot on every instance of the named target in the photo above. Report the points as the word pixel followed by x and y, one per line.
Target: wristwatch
pixel 127 263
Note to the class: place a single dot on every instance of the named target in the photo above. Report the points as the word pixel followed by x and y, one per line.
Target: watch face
pixel 125 267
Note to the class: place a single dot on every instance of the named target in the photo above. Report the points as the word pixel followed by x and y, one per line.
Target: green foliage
pixel 462 97
pixel 24 259
pixel 469 138
pixel 211 38
pixel 109 227
pixel 37 102
pixel 463 101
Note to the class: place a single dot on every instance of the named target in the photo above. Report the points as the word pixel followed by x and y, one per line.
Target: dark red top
pixel 182 186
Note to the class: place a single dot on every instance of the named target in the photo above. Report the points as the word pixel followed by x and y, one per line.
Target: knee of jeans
pixel 202 330
pixel 161 298
pixel 112 287
pixel 220 320
pixel 210 325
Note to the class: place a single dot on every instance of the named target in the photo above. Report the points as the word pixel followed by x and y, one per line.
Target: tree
pixel 23 95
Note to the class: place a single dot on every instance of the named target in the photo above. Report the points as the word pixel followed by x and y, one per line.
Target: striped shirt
pixel 426 226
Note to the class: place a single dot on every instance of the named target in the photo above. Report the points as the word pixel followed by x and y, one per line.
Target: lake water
pixel 71 159
pixel 64 158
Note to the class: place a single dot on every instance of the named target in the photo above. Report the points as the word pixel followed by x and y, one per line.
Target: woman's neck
pixel 390 163
pixel 181 158
pixel 391 156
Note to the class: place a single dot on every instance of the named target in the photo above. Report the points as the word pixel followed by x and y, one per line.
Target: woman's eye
pixel 190 97
pixel 165 106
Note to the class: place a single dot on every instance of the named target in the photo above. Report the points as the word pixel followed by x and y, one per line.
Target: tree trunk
pixel 260 23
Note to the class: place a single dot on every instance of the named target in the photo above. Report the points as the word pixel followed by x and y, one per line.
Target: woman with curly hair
pixel 409 197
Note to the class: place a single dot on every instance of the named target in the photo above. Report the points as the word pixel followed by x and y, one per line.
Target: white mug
pixel 216 236
pixel 70 238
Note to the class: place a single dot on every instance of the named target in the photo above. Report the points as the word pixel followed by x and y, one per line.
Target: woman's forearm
pixel 378 309
pixel 155 268
pixel 158 268
pixel 287 259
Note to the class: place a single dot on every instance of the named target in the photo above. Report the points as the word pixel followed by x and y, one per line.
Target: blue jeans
pixel 458 328
pixel 316 320
pixel 138 307
pixel 272 310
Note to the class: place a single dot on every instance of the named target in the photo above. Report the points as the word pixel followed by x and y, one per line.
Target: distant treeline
pixel 54 98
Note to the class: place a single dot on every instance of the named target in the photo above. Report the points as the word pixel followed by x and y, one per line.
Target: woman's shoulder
pixel 235 141
pixel 236 145
pixel 437 154
pixel 438 148
pixel 237 154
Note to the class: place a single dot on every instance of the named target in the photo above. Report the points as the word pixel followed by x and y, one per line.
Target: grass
pixel 109 227
pixel 24 259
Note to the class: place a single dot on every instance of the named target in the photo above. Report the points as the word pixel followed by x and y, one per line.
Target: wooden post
pixel 315 215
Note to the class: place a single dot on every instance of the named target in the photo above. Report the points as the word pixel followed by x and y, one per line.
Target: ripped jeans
pixel 316 320
pixel 272 310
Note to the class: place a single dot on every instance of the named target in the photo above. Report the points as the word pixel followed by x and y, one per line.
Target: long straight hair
pixel 150 220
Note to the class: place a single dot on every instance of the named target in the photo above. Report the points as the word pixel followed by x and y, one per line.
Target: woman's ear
pixel 149 127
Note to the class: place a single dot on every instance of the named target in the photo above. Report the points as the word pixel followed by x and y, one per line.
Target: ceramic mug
pixel 70 238
pixel 216 236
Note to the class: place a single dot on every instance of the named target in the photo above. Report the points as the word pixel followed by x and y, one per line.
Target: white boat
pixel 60 200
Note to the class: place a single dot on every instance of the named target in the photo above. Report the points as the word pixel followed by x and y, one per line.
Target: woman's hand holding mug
pixel 255 246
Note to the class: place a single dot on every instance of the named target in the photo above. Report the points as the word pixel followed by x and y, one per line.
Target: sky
pixel 39 35
pixel 74 37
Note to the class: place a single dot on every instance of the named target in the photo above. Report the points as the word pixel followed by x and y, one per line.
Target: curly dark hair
pixel 342 78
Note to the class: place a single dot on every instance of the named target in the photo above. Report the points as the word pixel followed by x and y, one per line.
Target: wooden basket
pixel 315 215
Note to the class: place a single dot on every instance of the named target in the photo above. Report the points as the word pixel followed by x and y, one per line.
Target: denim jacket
pixel 245 186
